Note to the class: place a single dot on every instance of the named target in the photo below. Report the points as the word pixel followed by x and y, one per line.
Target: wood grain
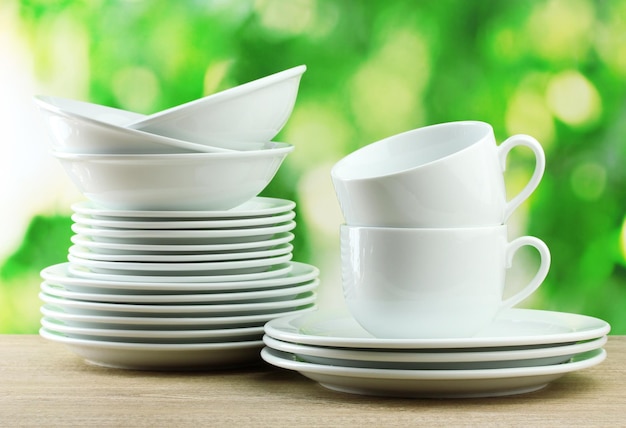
pixel 43 384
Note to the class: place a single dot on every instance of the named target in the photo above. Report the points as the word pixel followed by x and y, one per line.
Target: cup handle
pixel 542 272
pixel 540 166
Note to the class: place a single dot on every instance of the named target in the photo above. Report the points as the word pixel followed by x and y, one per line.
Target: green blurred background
pixel 553 69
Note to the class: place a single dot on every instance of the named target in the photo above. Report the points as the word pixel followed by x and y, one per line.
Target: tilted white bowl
pixel 184 181
pixel 249 113
pixel 81 127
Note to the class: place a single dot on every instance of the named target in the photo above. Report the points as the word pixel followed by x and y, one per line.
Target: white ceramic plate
pixel 119 248
pixel 416 360
pixel 144 356
pixel 85 253
pixel 182 268
pixel 164 237
pixel 117 223
pixel 256 207
pixel 271 295
pixel 154 336
pixel 192 310
pixel 59 275
pixel 433 383
pixel 275 272
pixel 165 323
pixel 515 327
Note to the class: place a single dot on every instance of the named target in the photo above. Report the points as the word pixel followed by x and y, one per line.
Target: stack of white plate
pixel 522 351
pixel 175 289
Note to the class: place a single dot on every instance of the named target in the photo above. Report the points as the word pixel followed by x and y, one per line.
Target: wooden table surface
pixel 43 384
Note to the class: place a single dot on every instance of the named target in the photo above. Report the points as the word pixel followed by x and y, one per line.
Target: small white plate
pixel 180 269
pixel 256 207
pixel 98 223
pixel 433 383
pixel 275 272
pixel 424 360
pixel 118 248
pixel 154 336
pixel 514 327
pixel 85 253
pixel 165 323
pixel 165 237
pixel 145 356
pixel 59 275
pixel 271 295
pixel 199 310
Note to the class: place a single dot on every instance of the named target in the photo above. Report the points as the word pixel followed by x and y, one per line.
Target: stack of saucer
pixel 522 351
pixel 175 289
pixel 425 253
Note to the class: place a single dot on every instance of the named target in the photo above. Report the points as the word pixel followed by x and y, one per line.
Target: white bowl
pixel 184 181
pixel 81 127
pixel 235 118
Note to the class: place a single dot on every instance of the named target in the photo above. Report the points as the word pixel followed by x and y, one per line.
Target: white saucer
pixel 85 253
pixel 433 383
pixel 165 323
pixel 180 268
pixel 256 207
pixel 199 310
pixel 59 275
pixel 275 272
pixel 144 356
pixel 117 223
pixel 271 295
pixel 238 334
pixel 514 327
pixel 118 248
pixel 424 360
pixel 165 237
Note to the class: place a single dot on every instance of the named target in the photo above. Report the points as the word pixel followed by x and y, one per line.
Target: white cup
pixel 446 175
pixel 431 283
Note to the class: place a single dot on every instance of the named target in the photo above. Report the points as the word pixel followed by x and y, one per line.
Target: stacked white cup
pixel 425 246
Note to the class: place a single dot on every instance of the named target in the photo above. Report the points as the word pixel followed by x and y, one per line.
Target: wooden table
pixel 43 384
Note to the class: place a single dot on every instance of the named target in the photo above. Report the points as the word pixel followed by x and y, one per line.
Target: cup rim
pixel 455 229
pixel 359 152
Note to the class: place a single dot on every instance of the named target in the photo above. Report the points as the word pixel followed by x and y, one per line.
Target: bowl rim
pixel 234 92
pixel 46 102
pixel 278 150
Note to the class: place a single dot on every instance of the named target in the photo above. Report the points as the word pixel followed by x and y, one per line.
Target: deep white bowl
pixel 81 127
pixel 235 118
pixel 184 181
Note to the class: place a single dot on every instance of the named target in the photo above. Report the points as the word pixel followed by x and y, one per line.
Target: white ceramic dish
pixel 85 253
pixel 275 271
pixel 272 295
pixel 256 207
pixel 119 248
pixel 513 328
pixel 182 268
pixel 185 237
pixel 185 181
pixel 144 356
pixel 433 383
pixel 165 323
pixel 81 127
pixel 192 310
pixel 415 360
pixel 253 112
pixel 154 336
pixel 185 224
pixel 59 274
